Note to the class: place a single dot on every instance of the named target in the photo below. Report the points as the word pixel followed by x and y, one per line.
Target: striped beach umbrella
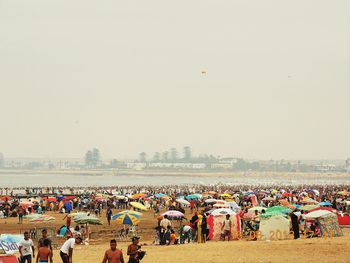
pixel 126 218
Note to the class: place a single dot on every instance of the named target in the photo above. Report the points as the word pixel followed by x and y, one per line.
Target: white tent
pixel 274 228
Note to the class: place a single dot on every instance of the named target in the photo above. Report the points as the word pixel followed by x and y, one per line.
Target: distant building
pixel 177 165
pixel 325 167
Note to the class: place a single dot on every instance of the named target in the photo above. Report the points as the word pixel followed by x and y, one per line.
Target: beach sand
pixel 303 250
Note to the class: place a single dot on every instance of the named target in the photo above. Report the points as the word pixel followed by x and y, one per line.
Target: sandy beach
pixel 303 250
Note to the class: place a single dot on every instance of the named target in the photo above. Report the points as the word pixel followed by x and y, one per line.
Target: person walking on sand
pixel 113 255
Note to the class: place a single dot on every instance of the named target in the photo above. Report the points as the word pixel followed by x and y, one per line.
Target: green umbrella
pixel 88 220
pixel 280 209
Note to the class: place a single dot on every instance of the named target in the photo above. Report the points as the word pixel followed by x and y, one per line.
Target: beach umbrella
pixel 138 205
pixel 131 212
pixel 87 220
pixel 137 196
pixel 69 198
pixel 212 192
pixel 194 196
pixel 222 211
pixel 126 218
pixel 308 207
pixel 233 205
pixel 257 208
pixel 173 213
pixel 326 203
pixel 273 213
pixel 183 201
pixel 308 201
pixel 217 205
pixel 119 197
pixel 211 200
pixel 268 198
pixel 316 192
pixel 6 197
pixel 317 214
pixel 225 195
pixel 280 209
pixel 159 195
pixel 330 209
pixel 344 193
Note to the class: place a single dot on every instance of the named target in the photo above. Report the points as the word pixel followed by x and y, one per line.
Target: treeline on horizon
pixel 93 160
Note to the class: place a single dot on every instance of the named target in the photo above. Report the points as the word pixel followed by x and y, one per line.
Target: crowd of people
pixel 192 227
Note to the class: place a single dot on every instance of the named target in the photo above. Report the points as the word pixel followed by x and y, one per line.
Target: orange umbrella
pixel 137 196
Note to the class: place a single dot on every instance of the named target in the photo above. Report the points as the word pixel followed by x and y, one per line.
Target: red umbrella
pixel 6 197
pixel 68 198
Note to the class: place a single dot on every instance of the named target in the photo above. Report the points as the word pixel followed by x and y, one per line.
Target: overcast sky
pixel 126 77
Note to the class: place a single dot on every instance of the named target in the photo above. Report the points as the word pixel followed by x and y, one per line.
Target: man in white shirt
pixel 26 249
pixel 164 224
pixel 66 251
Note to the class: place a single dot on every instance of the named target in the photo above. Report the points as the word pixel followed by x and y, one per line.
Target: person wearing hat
pixel 134 251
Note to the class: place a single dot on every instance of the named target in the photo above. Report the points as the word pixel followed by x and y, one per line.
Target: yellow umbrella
pixel 131 212
pixel 138 205
pixel 308 207
pixel 226 195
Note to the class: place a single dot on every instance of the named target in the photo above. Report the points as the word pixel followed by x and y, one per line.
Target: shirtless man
pixel 113 255
pixel 44 252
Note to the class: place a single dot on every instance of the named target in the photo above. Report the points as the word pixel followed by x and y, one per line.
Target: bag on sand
pixel 141 254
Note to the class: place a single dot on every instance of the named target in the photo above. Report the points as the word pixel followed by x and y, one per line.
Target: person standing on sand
pixel 113 255
pixel 134 251
pixel 26 249
pixel 66 251
pixel 42 239
pixel 44 253
pixel 109 215
pixel 227 227
pixel 20 214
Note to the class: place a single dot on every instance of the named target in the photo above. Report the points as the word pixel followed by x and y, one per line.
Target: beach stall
pixel 215 221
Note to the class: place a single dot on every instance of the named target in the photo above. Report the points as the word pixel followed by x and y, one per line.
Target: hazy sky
pixel 126 76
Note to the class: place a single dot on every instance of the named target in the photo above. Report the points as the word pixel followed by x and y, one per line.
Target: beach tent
pixel 215 223
pixel 274 228
pixel 344 220
pixel 253 199
pixel 329 225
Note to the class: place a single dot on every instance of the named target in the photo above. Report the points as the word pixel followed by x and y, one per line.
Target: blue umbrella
pixel 194 196
pixel 159 195
pixel 326 203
